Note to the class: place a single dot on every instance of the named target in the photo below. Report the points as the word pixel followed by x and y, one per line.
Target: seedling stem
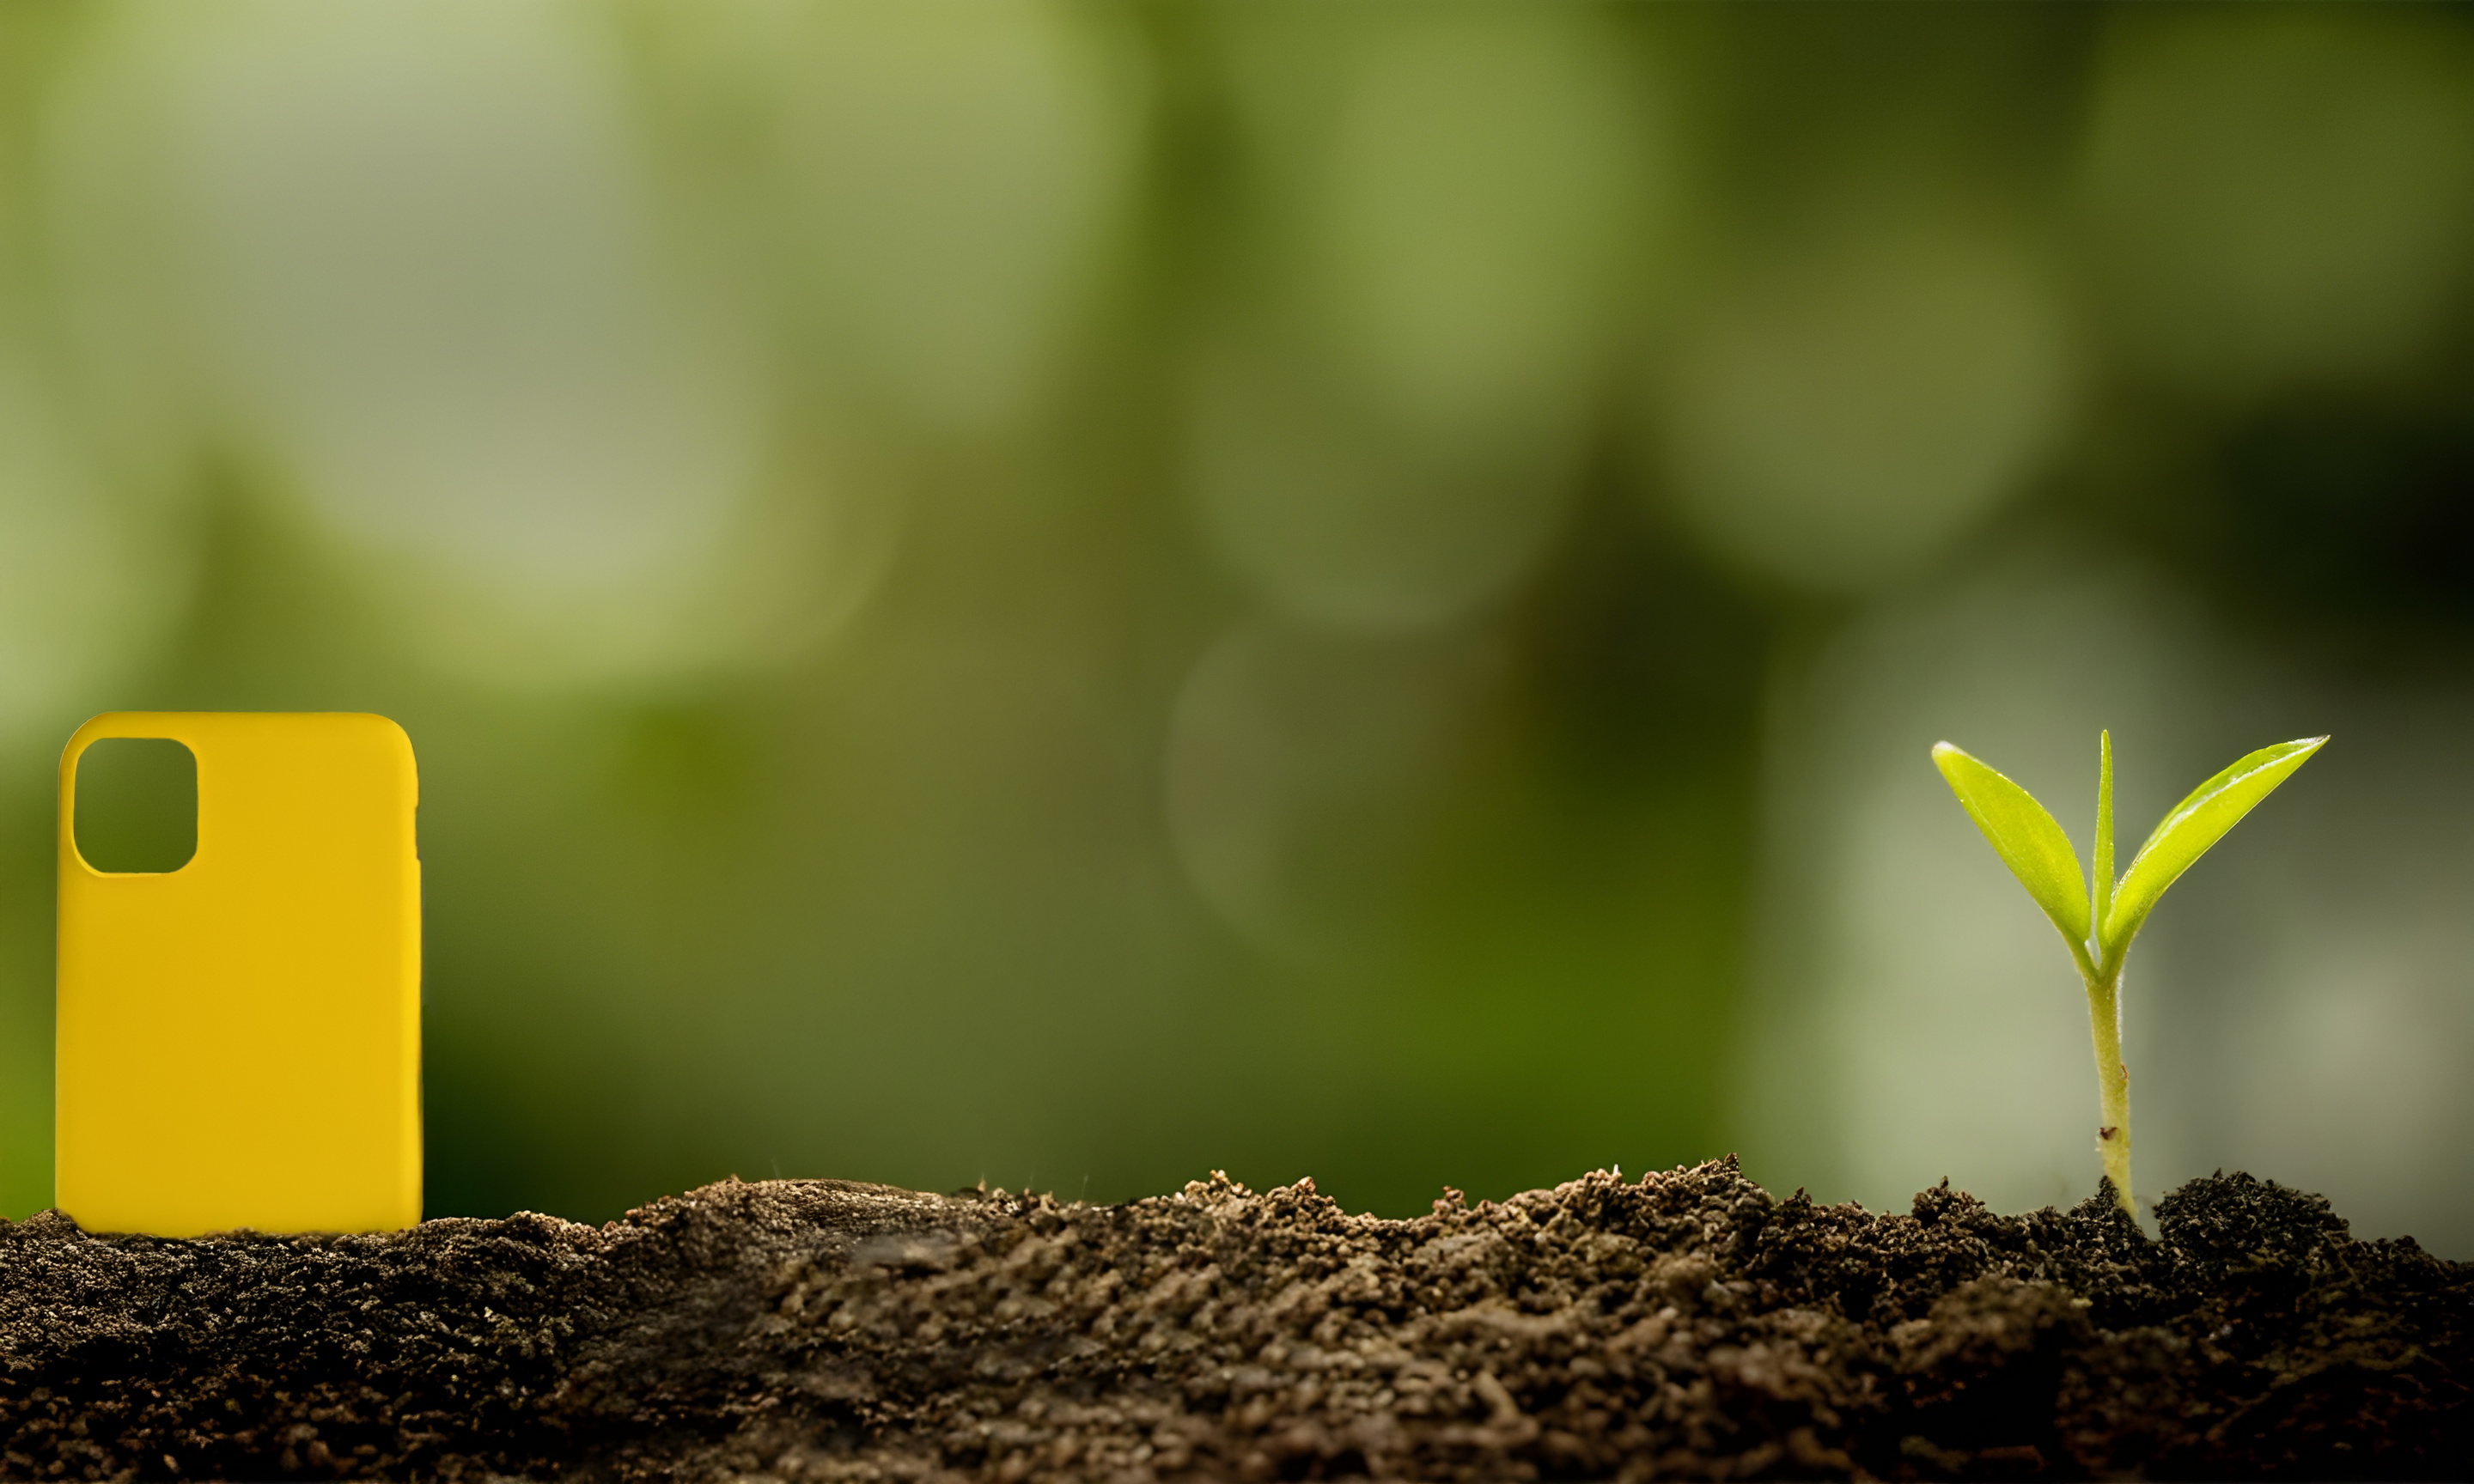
pixel 2104 996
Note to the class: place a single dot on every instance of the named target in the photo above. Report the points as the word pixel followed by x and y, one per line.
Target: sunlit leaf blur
pixel 1074 594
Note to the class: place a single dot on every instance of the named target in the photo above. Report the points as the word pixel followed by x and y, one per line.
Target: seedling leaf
pixel 2195 823
pixel 2027 837
pixel 2101 875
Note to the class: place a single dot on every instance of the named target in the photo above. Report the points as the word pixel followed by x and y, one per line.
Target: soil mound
pixel 1687 1324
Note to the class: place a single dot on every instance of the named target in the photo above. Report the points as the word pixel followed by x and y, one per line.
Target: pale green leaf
pixel 2101 876
pixel 2027 837
pixel 2195 823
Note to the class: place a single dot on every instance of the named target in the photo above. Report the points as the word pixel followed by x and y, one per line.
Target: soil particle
pixel 1683 1324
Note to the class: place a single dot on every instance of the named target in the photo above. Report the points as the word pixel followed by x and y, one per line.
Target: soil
pixel 1687 1324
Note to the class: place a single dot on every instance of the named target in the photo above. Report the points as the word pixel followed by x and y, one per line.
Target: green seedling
pixel 2097 915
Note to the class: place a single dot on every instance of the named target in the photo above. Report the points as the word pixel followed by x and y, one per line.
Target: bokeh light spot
pixel 1835 420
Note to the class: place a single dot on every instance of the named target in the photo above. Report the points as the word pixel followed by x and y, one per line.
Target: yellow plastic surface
pixel 240 1038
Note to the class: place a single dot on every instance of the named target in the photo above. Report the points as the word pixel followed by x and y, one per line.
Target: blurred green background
pixel 1074 595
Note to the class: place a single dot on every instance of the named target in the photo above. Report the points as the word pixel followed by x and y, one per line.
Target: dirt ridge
pixel 1685 1324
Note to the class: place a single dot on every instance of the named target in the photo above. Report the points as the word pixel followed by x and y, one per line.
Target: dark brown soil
pixel 1687 1324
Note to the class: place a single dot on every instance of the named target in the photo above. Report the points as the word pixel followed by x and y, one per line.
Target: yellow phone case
pixel 239 1040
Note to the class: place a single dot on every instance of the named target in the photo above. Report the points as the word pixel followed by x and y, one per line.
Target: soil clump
pixel 1687 1324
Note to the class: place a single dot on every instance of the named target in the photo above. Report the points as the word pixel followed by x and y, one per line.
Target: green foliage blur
pixel 1071 595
